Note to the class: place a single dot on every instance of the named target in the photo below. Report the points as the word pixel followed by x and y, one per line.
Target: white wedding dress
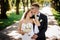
pixel 28 28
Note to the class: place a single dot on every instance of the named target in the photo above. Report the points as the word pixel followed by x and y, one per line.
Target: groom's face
pixel 35 10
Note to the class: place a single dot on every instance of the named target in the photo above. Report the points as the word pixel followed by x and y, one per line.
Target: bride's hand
pixel 34 36
pixel 36 22
pixel 33 39
pixel 21 32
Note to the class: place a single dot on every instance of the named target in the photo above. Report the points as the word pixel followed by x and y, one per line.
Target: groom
pixel 43 22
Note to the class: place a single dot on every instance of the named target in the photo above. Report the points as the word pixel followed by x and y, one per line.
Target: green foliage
pixel 12 18
pixel 57 16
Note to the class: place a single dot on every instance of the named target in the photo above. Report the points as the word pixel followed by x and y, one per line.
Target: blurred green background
pixel 12 10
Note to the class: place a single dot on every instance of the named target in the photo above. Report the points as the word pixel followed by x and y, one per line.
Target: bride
pixel 26 26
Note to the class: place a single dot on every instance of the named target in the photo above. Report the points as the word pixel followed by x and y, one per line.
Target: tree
pixel 23 5
pixel 32 1
pixel 10 3
pixel 4 8
pixel 17 6
pixel 56 4
pixel 27 4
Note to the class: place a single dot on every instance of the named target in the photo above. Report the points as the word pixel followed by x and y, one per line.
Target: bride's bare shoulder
pixel 21 21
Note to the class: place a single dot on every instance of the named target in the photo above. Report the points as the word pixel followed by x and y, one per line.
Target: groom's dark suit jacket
pixel 43 27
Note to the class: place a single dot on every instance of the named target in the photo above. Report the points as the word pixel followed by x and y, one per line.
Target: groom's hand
pixel 34 36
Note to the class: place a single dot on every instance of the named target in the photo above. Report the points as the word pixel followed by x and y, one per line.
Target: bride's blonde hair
pixel 25 14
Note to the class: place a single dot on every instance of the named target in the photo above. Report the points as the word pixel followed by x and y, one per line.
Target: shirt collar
pixel 38 14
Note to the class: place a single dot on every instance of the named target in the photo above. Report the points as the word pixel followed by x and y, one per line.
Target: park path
pixel 52 33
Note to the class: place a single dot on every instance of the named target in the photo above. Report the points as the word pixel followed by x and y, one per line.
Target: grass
pixel 57 16
pixel 12 18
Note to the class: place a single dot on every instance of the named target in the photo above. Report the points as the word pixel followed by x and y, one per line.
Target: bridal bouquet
pixel 27 28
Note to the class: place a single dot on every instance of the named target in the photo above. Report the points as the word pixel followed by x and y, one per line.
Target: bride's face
pixel 30 13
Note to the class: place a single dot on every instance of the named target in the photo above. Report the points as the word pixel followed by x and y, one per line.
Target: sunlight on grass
pixel 1 22
pixel 12 18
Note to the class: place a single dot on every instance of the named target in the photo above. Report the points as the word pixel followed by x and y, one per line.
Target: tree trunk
pixel 17 6
pixel 56 5
pixel 10 3
pixel 32 1
pixel 27 4
pixel 3 13
pixel 23 5
pixel 4 8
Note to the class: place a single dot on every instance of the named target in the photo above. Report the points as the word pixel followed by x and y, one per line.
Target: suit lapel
pixel 40 17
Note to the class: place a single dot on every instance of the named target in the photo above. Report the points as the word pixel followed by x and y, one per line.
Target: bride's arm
pixel 36 22
pixel 19 28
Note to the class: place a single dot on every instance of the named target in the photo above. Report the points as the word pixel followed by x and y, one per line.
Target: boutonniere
pixel 41 20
